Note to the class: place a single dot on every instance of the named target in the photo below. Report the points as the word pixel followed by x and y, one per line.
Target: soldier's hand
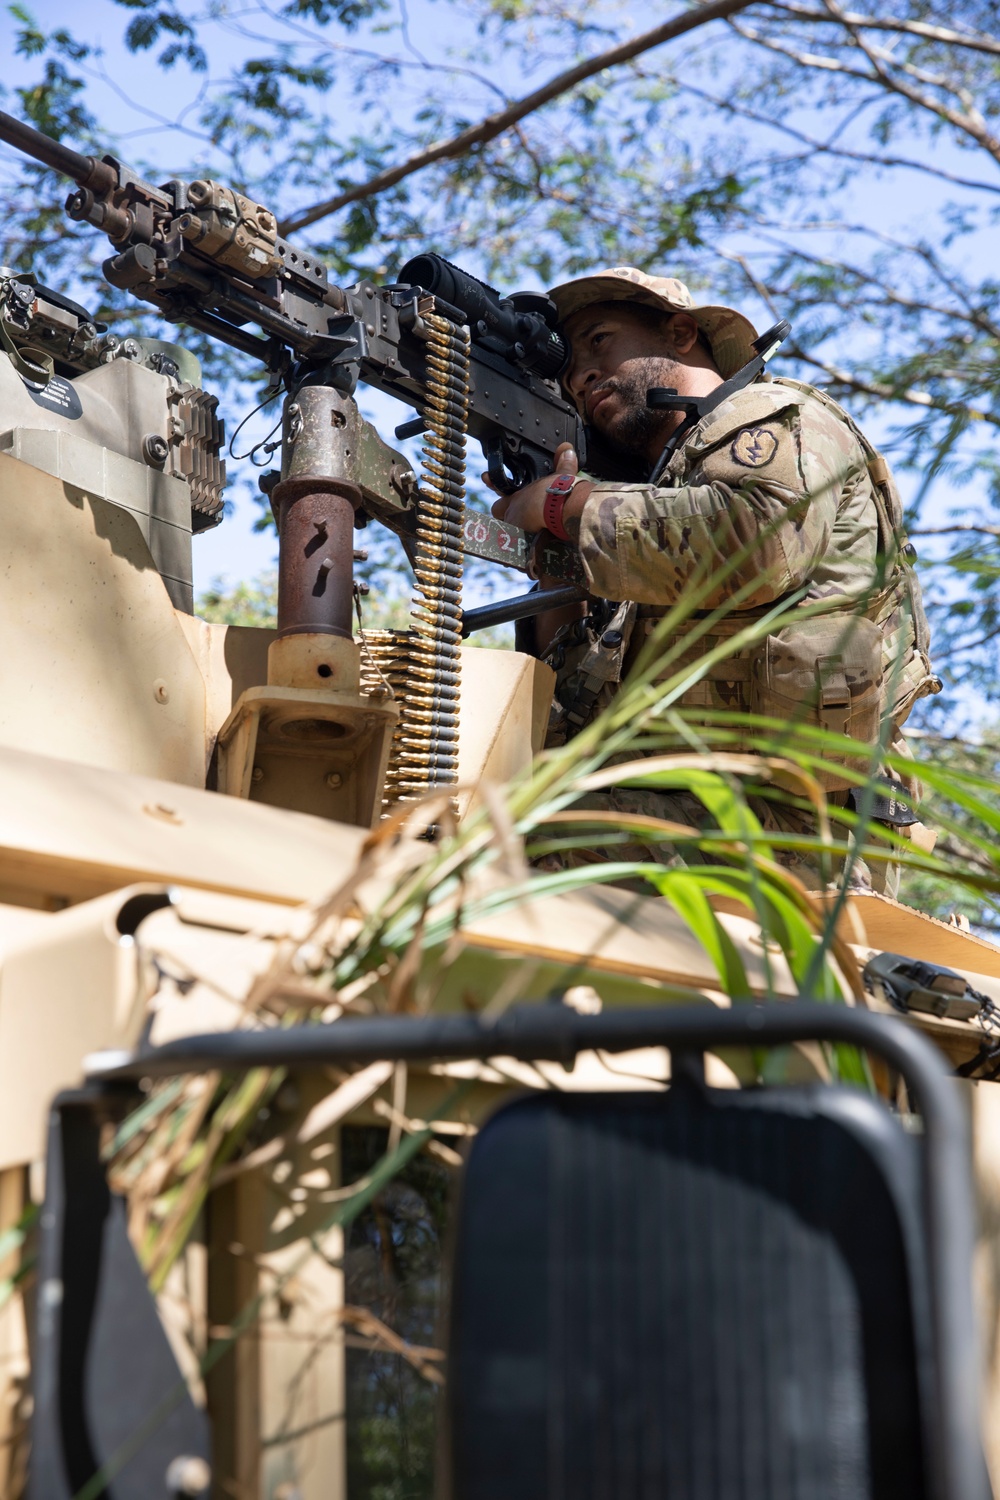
pixel 524 507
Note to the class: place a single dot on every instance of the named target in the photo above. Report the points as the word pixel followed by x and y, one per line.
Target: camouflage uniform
pixel 780 474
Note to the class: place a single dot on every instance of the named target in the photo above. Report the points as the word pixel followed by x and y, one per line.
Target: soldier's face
pixel 615 356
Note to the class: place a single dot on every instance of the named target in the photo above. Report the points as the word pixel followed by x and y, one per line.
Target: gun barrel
pixel 43 148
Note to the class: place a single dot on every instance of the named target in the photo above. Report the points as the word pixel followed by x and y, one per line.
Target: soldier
pixel 777 485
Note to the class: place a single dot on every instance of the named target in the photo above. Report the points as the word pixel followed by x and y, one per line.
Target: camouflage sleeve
pixel 761 503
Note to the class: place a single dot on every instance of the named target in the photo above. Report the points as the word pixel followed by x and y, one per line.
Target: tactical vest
pixel 846 670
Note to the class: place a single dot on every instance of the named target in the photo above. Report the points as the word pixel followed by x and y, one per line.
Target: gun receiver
pixel 208 257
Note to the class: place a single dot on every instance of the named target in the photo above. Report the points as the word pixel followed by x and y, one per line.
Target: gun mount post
pixel 315 575
pixel 310 739
pixel 314 505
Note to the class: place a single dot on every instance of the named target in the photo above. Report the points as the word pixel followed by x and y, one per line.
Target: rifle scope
pixel 519 327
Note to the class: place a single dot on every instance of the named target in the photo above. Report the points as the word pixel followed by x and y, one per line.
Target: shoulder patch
pixel 753 406
pixel 754 447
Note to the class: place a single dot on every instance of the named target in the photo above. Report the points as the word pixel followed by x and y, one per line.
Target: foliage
pixel 388 935
pixel 256 603
pixel 961 766
pixel 249 603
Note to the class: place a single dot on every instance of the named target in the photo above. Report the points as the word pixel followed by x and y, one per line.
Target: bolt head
pixel 155 449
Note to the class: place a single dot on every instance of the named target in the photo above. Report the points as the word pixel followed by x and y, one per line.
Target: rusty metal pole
pixel 314 506
pixel 315 556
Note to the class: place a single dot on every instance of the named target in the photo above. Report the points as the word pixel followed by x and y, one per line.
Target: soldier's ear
pixel 683 332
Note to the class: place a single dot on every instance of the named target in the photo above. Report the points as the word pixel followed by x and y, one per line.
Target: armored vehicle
pixel 200 820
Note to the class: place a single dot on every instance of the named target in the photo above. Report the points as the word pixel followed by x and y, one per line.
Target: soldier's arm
pixel 749 494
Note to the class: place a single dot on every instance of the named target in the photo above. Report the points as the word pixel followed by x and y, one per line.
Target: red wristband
pixel 554 504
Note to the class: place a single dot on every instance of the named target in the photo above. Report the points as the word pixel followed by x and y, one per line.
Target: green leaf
pixel 684 891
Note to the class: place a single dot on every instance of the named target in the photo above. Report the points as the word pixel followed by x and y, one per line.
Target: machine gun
pixel 206 256
pixel 471 362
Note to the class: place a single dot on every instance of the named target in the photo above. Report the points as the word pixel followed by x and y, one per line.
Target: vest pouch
pixel 823 672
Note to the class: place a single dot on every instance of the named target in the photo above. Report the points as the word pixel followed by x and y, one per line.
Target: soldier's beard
pixel 637 428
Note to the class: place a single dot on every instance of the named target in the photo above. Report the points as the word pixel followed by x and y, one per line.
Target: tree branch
pixel 881 60
pixel 827 148
pixel 880 78
pixel 975 319
pixel 814 147
pixel 887 392
pixel 975 42
pixel 862 387
pixel 378 59
pixel 983 640
pixel 973 315
pixel 495 124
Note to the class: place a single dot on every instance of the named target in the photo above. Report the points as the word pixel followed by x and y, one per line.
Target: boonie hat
pixel 729 333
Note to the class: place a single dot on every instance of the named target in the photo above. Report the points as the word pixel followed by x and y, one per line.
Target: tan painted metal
pixel 283 1389
pixel 231 658
pixel 323 753
pixel 888 926
pixel 94 441
pixel 312 660
pixel 505 713
pixel 280 744
pixel 69 832
pixel 69 981
pixel 182 960
pixel 95 665
pixel 298 743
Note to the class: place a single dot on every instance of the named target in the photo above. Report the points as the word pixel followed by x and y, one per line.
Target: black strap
pixel 665 398
pixel 884 802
